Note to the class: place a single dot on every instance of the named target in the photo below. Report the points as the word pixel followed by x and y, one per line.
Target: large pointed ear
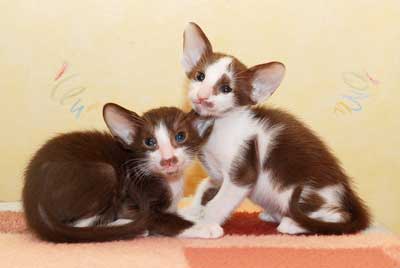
pixel 202 125
pixel 265 79
pixel 123 124
pixel 195 46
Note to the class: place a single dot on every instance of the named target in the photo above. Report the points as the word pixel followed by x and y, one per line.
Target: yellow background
pixel 129 52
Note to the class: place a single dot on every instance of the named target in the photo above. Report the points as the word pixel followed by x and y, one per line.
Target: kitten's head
pixel 164 140
pixel 219 82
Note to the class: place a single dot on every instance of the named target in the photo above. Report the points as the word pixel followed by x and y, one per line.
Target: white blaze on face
pixel 214 72
pixel 166 151
pixel 164 143
pixel 204 89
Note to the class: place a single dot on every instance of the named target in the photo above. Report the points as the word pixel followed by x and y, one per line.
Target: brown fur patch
pixel 209 195
pixel 298 147
pixel 311 203
pixel 245 167
pixel 83 174
pixel 224 80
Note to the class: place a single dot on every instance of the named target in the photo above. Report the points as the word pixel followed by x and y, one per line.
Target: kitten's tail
pixel 359 217
pixel 58 232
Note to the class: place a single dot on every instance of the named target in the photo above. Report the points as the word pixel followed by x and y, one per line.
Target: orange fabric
pixel 12 222
pixel 287 258
pixel 241 223
pixel 249 243
pixel 244 223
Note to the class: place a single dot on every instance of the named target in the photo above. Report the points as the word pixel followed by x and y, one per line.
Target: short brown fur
pixel 83 174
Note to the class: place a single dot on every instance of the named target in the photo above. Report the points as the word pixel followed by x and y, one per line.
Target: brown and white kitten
pixel 264 154
pixel 93 186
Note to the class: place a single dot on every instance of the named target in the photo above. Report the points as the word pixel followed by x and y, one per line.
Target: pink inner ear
pixel 119 123
pixel 266 79
pixel 195 45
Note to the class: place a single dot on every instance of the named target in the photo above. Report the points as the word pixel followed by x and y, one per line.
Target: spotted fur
pixel 264 154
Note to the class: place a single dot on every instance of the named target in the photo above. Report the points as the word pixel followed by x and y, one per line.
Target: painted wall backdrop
pixel 60 61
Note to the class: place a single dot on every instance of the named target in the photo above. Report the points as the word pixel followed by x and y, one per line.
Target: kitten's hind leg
pixel 289 226
pixel 78 192
pixel 269 217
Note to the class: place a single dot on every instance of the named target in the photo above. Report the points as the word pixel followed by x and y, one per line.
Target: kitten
pixel 264 154
pixel 93 186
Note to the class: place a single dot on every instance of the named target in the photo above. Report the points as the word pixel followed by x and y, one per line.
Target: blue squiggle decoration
pixel 77 110
pixel 353 100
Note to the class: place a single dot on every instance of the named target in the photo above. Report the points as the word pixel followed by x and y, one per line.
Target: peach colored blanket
pixel 248 243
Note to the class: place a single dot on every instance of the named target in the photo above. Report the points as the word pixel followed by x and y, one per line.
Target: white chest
pixel 225 145
pixel 176 188
pixel 225 142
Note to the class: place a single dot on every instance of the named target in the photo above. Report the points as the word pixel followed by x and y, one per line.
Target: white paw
pixel 85 222
pixel 203 231
pixel 120 222
pixel 289 226
pixel 192 213
pixel 267 217
pixel 145 234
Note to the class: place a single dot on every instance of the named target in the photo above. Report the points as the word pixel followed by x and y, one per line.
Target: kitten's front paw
pixel 214 230
pixel 192 213
pixel 203 231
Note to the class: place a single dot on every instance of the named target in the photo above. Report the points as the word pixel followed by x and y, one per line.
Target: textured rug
pixel 248 242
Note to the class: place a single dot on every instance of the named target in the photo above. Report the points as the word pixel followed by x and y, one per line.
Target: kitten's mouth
pixel 203 108
pixel 207 112
pixel 203 103
pixel 171 171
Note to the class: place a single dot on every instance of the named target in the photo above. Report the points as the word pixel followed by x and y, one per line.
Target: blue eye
pixel 150 142
pixel 180 137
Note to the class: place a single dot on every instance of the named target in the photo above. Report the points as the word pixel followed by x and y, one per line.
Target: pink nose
pixel 169 162
pixel 203 94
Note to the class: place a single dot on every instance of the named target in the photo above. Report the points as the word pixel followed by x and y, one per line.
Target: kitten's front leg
pixel 170 224
pixel 194 211
pixel 225 202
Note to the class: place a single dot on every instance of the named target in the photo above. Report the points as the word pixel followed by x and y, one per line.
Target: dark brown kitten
pixel 93 186
pixel 264 154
